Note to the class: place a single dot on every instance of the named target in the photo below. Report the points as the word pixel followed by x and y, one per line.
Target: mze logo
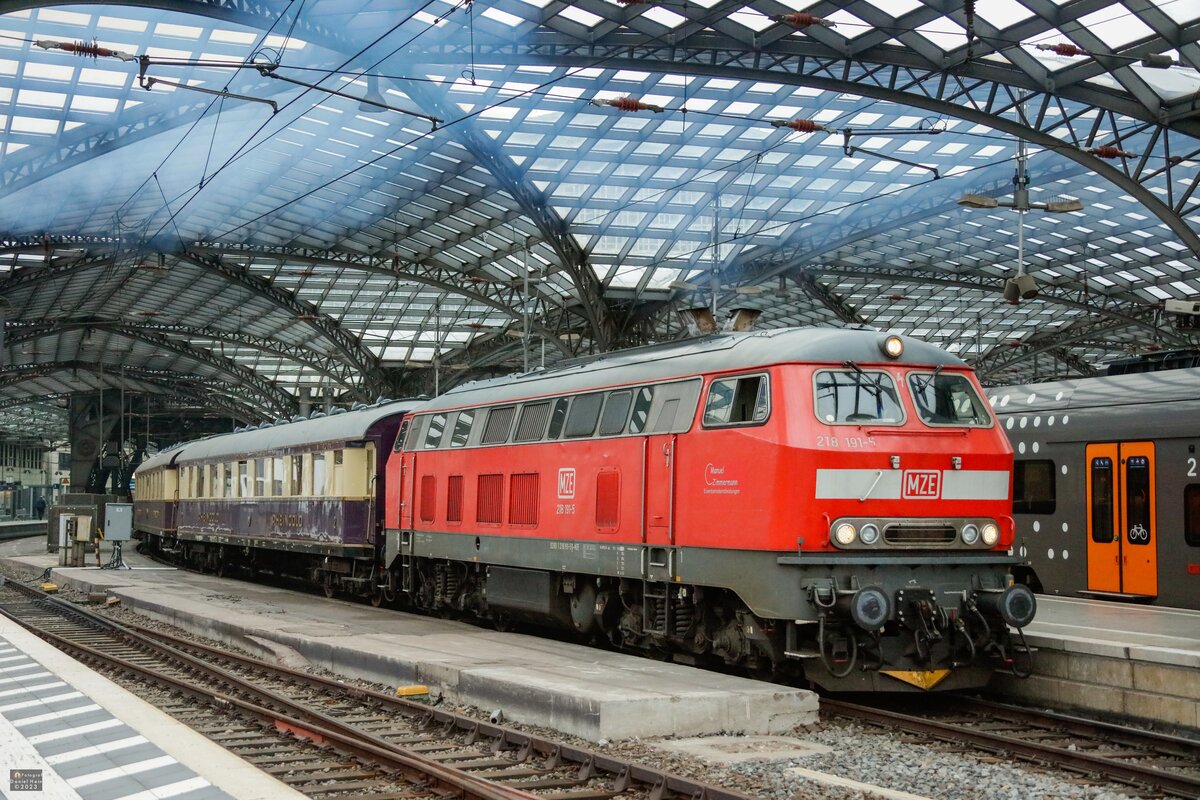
pixel 923 484
pixel 566 483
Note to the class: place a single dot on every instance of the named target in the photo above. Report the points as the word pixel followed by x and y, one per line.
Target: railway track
pixel 1147 760
pixel 326 738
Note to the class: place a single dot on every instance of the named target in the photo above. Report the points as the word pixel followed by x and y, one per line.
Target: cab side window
pixel 737 401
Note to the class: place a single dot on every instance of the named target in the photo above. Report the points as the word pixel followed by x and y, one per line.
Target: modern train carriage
pixel 831 501
pixel 1106 485
pixel 299 498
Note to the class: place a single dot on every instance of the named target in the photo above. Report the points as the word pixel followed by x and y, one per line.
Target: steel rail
pixel 661 784
pixel 302 721
pixel 1076 761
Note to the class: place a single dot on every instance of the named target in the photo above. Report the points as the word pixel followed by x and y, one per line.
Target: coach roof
pixel 716 353
pixel 345 427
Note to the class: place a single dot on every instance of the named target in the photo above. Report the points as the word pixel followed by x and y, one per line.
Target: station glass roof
pixel 193 195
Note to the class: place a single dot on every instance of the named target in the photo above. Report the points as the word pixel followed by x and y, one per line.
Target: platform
pixel 89 738
pixel 1135 661
pixel 17 528
pixel 585 691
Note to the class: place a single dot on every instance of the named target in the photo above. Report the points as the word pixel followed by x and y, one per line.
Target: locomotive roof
pixel 333 428
pixel 1104 391
pixel 716 353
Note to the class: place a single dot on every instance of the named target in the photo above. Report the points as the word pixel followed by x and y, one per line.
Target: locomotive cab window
pixel 737 401
pixel 948 399
pixel 856 396
pixel 1033 487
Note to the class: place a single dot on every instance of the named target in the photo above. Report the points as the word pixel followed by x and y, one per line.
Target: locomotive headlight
pixel 892 346
pixel 869 534
pixel 991 534
pixel 970 534
pixel 844 533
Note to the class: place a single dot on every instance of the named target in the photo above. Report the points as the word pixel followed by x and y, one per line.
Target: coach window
pixel 1102 500
pixel 227 480
pixel 948 399
pixel 243 479
pixel 641 409
pixel 499 423
pixel 1033 487
pixel 855 396
pixel 585 411
pixel 1191 514
pixel 297 485
pixel 558 417
pixel 198 471
pixel 318 474
pixel 737 401
pixel 437 426
pixel 533 422
pixel 616 412
pixel 462 429
pixel 278 472
pixel 335 484
pixel 260 477
pixel 214 480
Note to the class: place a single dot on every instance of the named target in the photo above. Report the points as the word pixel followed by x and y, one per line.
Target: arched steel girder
pixel 358 360
pixel 976 100
pixel 366 364
pixel 1143 316
pixel 435 279
pixel 550 224
pixel 330 367
pixel 266 393
pixel 196 397
pixel 213 394
pixel 1003 356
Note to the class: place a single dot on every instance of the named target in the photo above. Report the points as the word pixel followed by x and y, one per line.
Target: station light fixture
pixel 1021 286
pixel 373 101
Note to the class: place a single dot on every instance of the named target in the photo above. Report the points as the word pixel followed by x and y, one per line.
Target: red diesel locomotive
pixel 835 502
pixel 819 502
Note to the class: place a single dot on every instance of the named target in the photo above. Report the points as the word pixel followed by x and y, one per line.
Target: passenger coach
pixel 298 498
pixel 835 501
pixel 1107 490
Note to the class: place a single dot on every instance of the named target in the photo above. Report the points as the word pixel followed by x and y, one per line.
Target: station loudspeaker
pixel 1020 287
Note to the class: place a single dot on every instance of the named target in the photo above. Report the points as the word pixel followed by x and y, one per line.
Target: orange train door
pixel 1122 550
pixel 1103 544
pixel 1139 551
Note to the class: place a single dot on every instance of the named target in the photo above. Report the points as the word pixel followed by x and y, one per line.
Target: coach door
pixel 658 489
pixel 1121 548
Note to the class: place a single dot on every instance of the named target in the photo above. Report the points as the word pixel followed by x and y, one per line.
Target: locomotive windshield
pixel 948 399
pixel 856 397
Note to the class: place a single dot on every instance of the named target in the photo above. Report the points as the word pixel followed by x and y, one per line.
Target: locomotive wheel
pixel 377 598
pixel 327 587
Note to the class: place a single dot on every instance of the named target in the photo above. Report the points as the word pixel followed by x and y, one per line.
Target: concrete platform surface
pixel 1136 662
pixel 13 528
pixel 585 691
pixel 86 737
pixel 1118 630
